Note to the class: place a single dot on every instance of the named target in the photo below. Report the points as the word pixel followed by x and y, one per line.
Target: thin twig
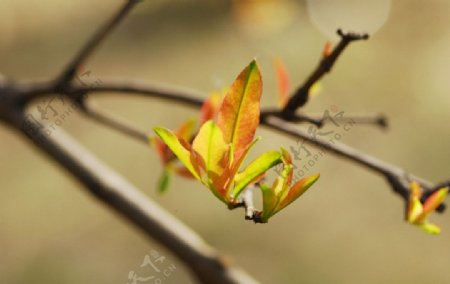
pixel 247 198
pixel 113 121
pixel 376 120
pixel 246 202
pixel 395 176
pixel 300 97
pixel 296 118
pixel 69 73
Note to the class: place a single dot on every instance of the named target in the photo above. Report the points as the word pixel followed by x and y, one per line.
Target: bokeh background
pixel 347 229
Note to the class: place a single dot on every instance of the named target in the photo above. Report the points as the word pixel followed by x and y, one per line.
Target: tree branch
pixel 295 118
pixel 117 193
pixel 394 175
pixel 109 120
pixel 319 121
pixel 376 120
pixel 300 97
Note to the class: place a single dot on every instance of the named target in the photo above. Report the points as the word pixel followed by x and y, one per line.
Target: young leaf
pixel 282 193
pixel 211 147
pixel 283 82
pixel 415 210
pixel 211 107
pixel 430 228
pixel 434 200
pixel 228 180
pixel 415 207
pixel 186 130
pixel 257 167
pixel 163 182
pixel 269 200
pixel 167 157
pixel 297 190
pixel 218 150
pixel 239 114
pixel 177 147
pixel 418 212
pixel 327 49
pixel 272 196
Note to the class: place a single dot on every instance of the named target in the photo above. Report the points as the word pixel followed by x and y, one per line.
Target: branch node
pixel 382 121
pixel 301 96
pixel 351 36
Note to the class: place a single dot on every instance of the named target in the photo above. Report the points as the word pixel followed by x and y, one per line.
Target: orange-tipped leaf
pixel 432 202
pixel 210 107
pixel 327 49
pixel 283 82
pixel 297 190
pixel 239 114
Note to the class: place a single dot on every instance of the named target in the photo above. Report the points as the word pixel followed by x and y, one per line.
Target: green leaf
pixel 430 228
pixel 269 201
pixel 239 114
pixel 182 153
pixel 164 180
pixel 272 195
pixel 415 209
pixel 257 167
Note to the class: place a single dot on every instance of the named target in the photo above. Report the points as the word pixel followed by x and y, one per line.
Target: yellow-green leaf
pixel 272 196
pixel 178 148
pixel 430 228
pixel 414 205
pixel 211 147
pixel 239 114
pixel 269 201
pixel 414 209
pixel 255 169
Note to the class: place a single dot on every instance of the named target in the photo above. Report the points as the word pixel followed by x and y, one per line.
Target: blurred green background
pixel 347 229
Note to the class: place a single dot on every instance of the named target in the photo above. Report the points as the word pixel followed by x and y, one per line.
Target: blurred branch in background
pixel 113 190
pixel 69 73
pixel 203 261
